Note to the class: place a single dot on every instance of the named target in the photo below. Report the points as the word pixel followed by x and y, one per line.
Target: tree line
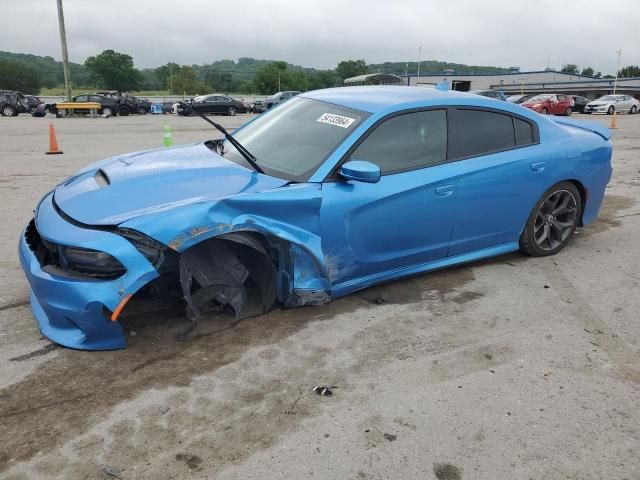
pixel 630 71
pixel 113 70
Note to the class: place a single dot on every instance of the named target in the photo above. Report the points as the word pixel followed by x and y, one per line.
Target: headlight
pixel 90 262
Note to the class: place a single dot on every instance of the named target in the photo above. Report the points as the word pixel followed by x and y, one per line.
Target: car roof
pixel 377 98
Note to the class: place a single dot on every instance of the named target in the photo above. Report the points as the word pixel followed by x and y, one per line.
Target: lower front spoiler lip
pixel 95 333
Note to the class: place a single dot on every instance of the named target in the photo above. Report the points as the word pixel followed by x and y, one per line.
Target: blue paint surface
pixel 343 235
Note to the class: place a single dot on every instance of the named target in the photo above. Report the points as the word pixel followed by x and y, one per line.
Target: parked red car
pixel 550 103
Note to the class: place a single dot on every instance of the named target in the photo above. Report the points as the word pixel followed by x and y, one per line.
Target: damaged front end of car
pixel 246 253
pixel 84 278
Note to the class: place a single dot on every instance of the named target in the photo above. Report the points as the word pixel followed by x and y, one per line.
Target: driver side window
pixel 406 142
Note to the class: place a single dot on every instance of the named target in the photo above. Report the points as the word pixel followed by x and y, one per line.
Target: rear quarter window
pixel 525 133
pixel 479 132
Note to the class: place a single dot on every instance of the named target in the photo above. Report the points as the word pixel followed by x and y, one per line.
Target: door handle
pixel 444 190
pixel 538 166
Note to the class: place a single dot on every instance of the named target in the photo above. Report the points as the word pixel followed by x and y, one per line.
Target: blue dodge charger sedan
pixel 331 192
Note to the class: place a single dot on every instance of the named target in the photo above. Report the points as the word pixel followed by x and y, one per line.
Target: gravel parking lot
pixel 513 368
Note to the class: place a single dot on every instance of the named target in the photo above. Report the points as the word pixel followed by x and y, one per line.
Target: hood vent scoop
pixel 101 179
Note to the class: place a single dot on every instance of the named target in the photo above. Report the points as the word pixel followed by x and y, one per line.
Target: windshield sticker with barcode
pixel 337 120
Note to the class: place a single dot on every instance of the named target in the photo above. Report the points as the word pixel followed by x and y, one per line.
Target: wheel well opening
pixel 236 272
pixel 583 198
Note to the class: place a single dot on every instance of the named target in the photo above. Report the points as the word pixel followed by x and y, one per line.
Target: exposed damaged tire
pixel 227 273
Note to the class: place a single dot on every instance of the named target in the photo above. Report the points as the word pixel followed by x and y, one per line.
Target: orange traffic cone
pixel 613 120
pixel 53 143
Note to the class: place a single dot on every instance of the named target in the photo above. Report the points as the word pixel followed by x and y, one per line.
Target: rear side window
pixel 480 132
pixel 524 132
pixel 406 142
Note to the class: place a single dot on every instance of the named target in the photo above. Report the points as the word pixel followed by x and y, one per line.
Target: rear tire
pixel 568 112
pixel 124 111
pixel 633 110
pixel 544 111
pixel 553 221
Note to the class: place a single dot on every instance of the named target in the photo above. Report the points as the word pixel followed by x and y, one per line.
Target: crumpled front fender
pixel 291 214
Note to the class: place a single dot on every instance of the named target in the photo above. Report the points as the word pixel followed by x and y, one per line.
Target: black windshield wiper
pixel 253 161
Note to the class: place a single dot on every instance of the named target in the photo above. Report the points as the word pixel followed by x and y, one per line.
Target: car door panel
pixel 495 196
pixel 403 220
pixel 501 171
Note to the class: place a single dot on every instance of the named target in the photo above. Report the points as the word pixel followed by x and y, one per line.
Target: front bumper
pixel 74 311
pixel 598 109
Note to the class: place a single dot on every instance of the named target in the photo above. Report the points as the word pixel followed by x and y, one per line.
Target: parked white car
pixel 613 103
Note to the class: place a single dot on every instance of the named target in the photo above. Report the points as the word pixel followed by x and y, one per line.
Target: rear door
pixel 564 104
pixel 502 171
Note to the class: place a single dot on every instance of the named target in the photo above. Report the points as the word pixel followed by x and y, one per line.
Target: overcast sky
pixel 319 33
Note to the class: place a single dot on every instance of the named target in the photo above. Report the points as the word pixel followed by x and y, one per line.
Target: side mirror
pixel 360 171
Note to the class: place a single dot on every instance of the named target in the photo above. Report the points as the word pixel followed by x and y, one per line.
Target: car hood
pixel 121 188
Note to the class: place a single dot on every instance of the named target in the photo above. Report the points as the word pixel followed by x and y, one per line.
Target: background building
pixel 546 81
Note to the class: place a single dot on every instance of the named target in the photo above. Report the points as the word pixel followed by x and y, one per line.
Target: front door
pixel 373 231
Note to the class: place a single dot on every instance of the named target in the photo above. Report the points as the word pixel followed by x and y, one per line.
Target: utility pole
pixel 615 82
pixel 419 60
pixel 65 53
pixel 170 79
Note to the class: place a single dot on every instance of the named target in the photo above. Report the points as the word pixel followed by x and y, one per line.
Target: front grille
pixel 32 236
pixel 45 252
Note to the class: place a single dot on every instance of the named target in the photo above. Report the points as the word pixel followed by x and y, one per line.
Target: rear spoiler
pixel 604 132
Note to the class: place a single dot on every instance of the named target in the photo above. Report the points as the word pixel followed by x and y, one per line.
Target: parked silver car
pixel 613 103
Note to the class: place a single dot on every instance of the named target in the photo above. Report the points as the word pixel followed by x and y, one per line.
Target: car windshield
pixel 539 98
pixel 608 98
pixel 294 139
